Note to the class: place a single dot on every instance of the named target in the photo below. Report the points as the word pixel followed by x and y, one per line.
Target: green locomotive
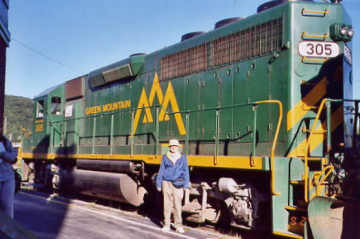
pixel 263 107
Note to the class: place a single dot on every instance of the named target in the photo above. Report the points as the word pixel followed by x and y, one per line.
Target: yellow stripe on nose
pixel 299 111
pixel 317 139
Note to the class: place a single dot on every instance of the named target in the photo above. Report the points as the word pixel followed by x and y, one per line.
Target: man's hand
pixel 159 189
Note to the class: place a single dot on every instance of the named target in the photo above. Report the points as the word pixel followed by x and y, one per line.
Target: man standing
pixel 172 178
pixel 7 178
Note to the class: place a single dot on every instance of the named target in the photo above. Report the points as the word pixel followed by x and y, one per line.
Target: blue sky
pixel 55 41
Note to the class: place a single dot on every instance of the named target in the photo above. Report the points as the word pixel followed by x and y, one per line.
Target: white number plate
pixel 318 49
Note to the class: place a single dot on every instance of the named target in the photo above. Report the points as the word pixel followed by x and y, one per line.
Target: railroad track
pixel 108 208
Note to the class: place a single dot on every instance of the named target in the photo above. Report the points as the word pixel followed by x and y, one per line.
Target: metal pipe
pixel 111 134
pixel 355 123
pixel 93 137
pixel 328 124
pixel 187 136
pixel 254 132
pixel 157 131
pixel 216 137
pixel 132 134
pixel 64 140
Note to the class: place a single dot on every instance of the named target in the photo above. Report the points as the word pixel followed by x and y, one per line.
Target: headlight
pixel 341 32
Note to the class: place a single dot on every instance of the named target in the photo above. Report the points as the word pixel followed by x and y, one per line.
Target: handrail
pixel 273 148
pixel 307 144
pixel 277 132
pixel 319 178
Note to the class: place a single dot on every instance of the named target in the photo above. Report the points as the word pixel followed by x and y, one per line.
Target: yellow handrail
pixel 314 11
pixel 305 35
pixel 307 146
pixel 273 168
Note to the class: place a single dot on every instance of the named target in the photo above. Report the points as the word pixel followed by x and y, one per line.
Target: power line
pixel 32 49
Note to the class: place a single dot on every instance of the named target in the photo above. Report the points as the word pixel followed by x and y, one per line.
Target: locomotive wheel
pixel 224 218
pixel 215 213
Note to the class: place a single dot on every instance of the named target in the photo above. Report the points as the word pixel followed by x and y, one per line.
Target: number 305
pixel 318 49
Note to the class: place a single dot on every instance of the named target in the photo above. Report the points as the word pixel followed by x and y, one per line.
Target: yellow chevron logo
pixel 169 100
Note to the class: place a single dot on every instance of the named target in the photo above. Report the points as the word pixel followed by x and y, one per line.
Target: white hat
pixel 174 142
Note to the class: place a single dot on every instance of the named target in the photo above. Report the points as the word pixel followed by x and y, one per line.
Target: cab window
pixel 55 105
pixel 40 109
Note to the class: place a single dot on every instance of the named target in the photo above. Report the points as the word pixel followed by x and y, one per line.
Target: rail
pixel 325 102
pixel 187 125
pixel 275 140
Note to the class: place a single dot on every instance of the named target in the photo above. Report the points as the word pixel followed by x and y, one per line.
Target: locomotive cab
pixel 48 107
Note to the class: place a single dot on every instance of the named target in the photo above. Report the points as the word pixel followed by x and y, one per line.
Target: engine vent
pixel 274 3
pixel 190 35
pixel 227 21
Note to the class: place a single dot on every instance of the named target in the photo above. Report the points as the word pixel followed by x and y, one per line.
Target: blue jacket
pixel 178 174
pixel 8 157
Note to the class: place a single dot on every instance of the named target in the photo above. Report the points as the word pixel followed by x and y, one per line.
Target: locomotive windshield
pixel 40 109
pixel 55 105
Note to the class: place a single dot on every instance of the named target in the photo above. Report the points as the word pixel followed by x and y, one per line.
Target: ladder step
pixel 297 182
pixel 314 159
pixel 296 209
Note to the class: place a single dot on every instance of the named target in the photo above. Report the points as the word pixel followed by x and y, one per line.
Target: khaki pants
pixel 172 200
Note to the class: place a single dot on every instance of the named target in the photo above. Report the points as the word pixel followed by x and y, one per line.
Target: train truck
pixel 263 107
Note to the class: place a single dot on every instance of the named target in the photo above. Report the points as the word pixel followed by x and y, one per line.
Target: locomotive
pixel 262 105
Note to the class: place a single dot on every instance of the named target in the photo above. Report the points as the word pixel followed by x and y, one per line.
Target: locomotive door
pixel 40 137
pixel 72 114
pixel 56 117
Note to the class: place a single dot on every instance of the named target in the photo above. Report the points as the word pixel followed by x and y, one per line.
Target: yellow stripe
pixel 299 111
pixel 317 139
pixel 236 162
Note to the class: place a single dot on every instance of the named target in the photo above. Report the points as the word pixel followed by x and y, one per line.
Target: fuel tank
pixel 108 185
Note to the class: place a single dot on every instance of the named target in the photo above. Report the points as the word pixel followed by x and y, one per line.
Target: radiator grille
pixel 252 42
pixel 184 62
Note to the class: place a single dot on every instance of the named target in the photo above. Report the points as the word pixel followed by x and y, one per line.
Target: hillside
pixel 18 112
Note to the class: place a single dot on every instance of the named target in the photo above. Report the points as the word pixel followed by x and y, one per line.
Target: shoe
pixel 180 230
pixel 165 228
